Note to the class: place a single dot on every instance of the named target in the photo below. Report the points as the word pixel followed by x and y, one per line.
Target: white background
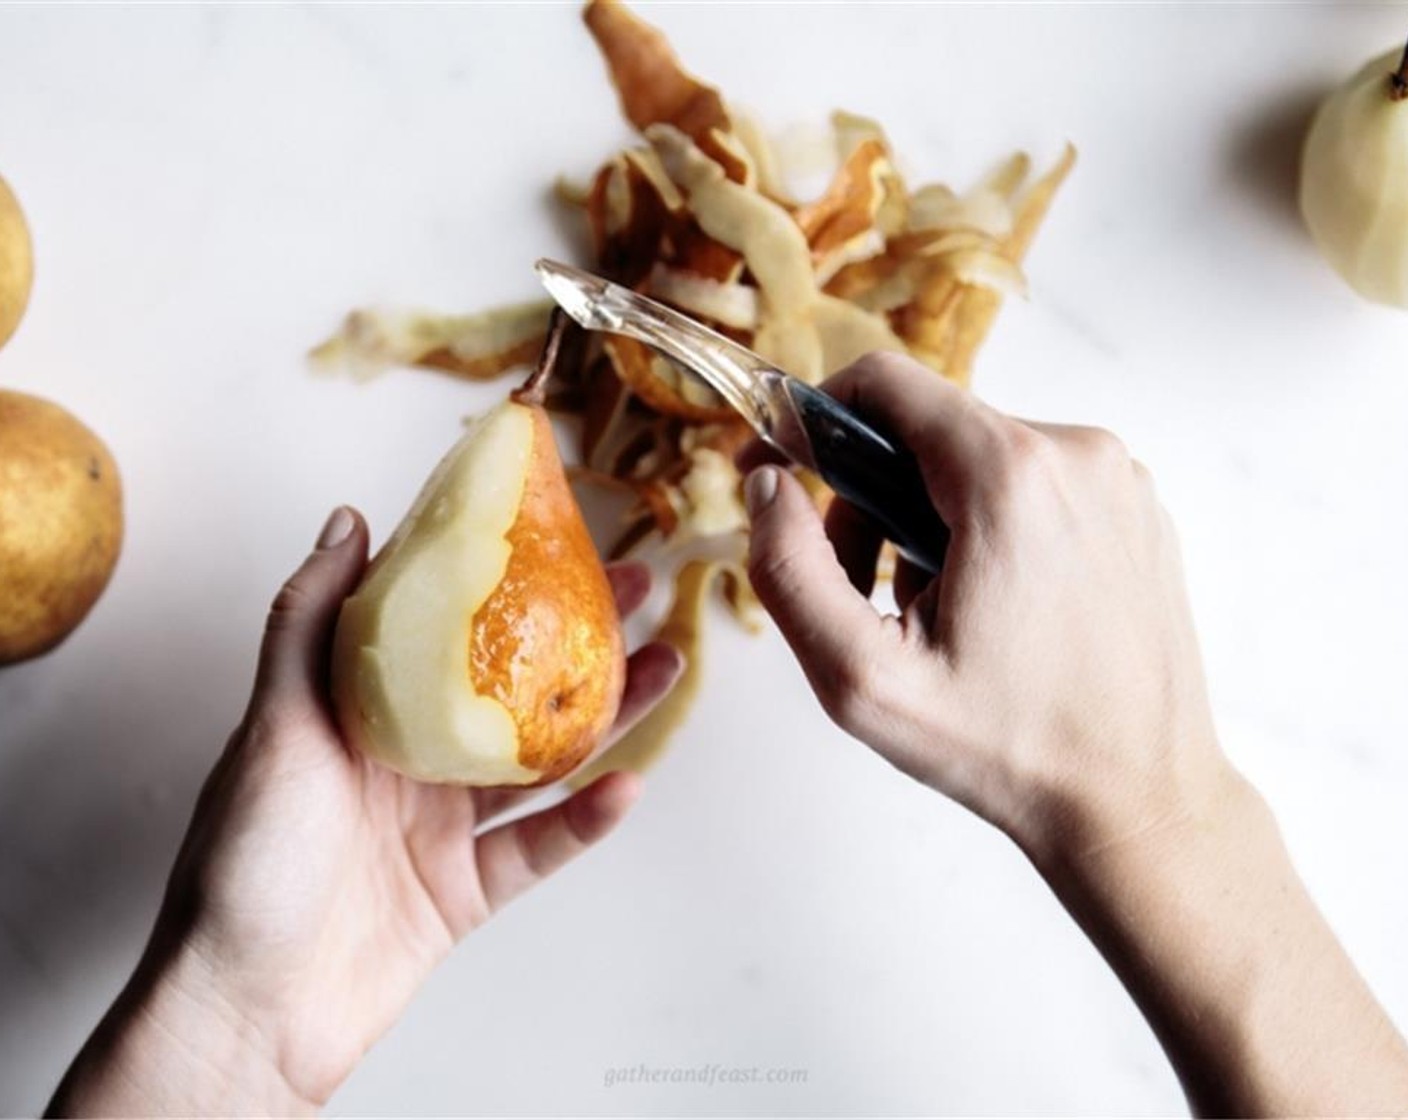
pixel 211 188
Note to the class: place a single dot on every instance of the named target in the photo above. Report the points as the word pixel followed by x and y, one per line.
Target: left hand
pixel 316 890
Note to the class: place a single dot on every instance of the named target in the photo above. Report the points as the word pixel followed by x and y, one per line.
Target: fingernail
pixel 337 529
pixel 760 489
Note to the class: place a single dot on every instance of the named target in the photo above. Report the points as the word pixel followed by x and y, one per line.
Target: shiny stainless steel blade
pixel 733 371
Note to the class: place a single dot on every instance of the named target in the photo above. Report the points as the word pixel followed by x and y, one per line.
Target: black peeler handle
pixel 873 474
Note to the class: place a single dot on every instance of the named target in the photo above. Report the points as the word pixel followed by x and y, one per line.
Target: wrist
pixel 1204 919
pixel 1181 910
pixel 1148 826
pixel 172 1044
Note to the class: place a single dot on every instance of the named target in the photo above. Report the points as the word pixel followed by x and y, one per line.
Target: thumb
pixel 293 657
pixel 833 630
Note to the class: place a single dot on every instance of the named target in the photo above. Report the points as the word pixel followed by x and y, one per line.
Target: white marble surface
pixel 210 188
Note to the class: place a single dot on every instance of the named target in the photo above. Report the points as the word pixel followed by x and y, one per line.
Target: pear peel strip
pixel 771 243
pixel 478 346
pixel 644 745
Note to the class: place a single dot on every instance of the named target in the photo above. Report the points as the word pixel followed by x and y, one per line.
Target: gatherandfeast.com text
pixel 708 1074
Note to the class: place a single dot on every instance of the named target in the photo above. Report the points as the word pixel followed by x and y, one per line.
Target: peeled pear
pixel 16 263
pixel 60 524
pixel 1354 180
pixel 483 647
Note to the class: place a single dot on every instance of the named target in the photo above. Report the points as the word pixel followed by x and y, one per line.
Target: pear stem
pixel 1398 80
pixel 533 392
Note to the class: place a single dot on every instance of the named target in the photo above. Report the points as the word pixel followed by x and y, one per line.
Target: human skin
pixel 1050 680
pixel 316 890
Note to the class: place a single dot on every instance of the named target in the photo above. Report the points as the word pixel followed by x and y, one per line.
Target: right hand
pixel 1049 678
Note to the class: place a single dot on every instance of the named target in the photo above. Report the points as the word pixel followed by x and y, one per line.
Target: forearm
pixel 170 1047
pixel 1253 998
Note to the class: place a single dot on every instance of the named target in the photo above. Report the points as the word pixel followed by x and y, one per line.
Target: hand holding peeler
pixel 810 428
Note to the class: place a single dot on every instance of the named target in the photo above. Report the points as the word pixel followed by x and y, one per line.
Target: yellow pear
pixel 16 263
pixel 1354 180
pixel 60 524
pixel 483 647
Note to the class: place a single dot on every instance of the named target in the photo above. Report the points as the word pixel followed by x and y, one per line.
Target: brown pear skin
pixel 60 524
pixel 16 263
pixel 547 643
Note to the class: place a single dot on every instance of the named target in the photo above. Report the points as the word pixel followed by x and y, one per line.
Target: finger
pixel 953 434
pixel 495 801
pixel 755 453
pixel 857 540
pixel 630 585
pixel 293 657
pixel 650 673
pixel 833 630
pixel 518 855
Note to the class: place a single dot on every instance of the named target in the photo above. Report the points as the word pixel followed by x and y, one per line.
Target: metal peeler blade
pixel 805 424
pixel 733 371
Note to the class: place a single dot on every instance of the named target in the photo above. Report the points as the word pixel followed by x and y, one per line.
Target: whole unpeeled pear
pixel 1354 180
pixel 16 263
pixel 483 647
pixel 60 524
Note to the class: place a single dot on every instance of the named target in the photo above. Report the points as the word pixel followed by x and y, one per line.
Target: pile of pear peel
pixel 700 217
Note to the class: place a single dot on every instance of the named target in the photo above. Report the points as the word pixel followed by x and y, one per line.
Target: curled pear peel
pixel 683 627
pixel 483 647
pixel 16 263
pixel 708 212
pixel 1354 180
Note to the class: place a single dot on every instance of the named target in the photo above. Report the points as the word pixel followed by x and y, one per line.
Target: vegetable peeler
pixel 806 425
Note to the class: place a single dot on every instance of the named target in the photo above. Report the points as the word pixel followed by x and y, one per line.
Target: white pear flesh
pixel 1354 183
pixel 401 675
